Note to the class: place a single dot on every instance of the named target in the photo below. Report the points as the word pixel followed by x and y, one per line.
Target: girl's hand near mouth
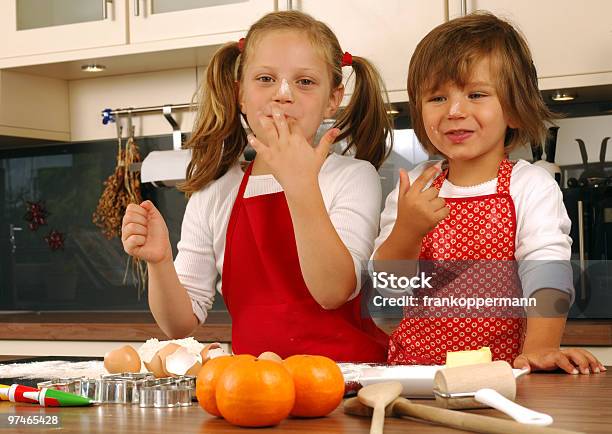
pixel 293 161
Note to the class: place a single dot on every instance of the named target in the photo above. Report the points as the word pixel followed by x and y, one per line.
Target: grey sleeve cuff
pixel 200 312
pixel 540 274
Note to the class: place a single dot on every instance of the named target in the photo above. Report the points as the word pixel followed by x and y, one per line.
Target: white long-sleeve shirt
pixel 351 193
pixel 542 245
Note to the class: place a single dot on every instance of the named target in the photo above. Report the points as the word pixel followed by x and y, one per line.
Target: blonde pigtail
pixel 365 122
pixel 218 138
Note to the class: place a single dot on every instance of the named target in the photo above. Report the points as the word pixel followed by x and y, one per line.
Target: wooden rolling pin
pixel 455 419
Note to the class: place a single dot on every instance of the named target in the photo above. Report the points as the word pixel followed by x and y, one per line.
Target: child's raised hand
pixel 419 210
pixel 144 233
pixel 293 161
pixel 571 360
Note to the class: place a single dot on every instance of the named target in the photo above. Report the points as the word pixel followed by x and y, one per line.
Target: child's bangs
pixel 453 67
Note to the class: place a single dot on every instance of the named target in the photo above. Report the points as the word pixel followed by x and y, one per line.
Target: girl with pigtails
pixel 282 241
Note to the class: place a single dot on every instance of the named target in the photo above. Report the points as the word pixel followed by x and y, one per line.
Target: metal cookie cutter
pixel 122 388
pixel 92 388
pixel 127 388
pixel 167 392
pixel 70 385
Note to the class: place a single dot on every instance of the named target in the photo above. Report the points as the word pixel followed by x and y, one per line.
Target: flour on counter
pixel 53 369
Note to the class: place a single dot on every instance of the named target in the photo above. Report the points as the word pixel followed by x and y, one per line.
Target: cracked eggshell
pixel 152 348
pixel 191 344
pixel 193 371
pixel 124 359
pixel 165 352
pixel 212 351
pixel 149 349
pixel 182 362
pixel 155 366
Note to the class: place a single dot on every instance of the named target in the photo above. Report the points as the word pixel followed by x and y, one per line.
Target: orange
pixel 206 381
pixel 319 385
pixel 255 393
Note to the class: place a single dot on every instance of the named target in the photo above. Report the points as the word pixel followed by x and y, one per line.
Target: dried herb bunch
pixel 114 198
pixel 120 189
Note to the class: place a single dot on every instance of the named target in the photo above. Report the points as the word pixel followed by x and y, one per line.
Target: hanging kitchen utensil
pixel 551 144
pixel 550 148
pixel 602 157
pixel 536 152
pixel 594 174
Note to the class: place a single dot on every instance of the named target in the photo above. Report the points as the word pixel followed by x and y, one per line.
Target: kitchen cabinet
pixel 571 42
pixel 72 28
pixel 29 27
pixel 33 107
pixel 386 33
pixel 89 96
pixel 152 20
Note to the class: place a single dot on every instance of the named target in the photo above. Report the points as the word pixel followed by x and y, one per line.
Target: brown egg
pixel 155 367
pixel 269 355
pixel 165 352
pixel 124 359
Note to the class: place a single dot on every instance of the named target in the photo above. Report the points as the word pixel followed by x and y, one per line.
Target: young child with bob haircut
pixel 478 217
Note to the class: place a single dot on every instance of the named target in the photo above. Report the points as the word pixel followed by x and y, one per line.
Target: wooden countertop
pixel 103 326
pixel 140 326
pixel 576 402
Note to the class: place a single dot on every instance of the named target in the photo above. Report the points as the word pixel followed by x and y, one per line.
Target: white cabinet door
pixel 34 107
pixel 29 27
pixel 154 20
pixel 566 37
pixel 385 33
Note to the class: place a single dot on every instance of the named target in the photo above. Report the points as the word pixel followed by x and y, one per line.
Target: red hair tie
pixel 347 59
pixel 241 42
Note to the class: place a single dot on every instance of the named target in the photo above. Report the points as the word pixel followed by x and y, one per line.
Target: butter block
pixel 461 358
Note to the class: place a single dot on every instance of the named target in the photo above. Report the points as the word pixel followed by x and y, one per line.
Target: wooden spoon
pixel 456 419
pixel 378 396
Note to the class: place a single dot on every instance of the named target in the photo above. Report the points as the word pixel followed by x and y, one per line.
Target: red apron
pixel 268 300
pixel 470 254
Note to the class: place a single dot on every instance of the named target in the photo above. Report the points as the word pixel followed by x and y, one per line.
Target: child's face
pixel 466 123
pixel 285 73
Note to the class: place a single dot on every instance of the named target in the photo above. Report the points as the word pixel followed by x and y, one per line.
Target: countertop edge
pixel 142 326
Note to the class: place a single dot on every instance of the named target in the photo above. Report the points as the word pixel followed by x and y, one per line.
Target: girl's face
pixel 285 73
pixel 467 123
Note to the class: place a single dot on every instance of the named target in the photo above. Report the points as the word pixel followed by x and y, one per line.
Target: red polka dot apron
pixel 268 300
pixel 469 254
